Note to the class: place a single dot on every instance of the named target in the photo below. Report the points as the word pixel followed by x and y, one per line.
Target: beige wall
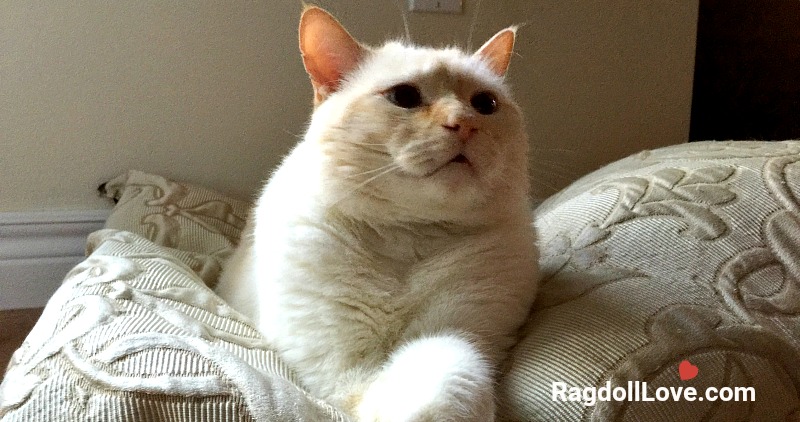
pixel 214 92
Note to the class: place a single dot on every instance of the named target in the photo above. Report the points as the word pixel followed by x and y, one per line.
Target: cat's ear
pixel 498 50
pixel 328 51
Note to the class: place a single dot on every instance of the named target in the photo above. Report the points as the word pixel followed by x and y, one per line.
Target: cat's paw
pixel 442 378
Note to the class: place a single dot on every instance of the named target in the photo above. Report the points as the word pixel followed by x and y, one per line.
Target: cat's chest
pixel 385 266
pixel 388 260
pixel 396 255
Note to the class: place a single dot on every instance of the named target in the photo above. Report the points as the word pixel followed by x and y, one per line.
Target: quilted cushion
pixel 686 253
pixel 135 334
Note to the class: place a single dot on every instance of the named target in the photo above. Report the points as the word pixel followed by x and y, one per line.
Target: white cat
pixel 390 260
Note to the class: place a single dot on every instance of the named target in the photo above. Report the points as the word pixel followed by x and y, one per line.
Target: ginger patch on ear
pixel 329 52
pixel 498 50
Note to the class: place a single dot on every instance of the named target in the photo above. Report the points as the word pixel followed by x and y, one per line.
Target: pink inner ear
pixel 329 52
pixel 498 50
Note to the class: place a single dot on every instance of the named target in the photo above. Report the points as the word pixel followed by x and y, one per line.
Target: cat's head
pixel 414 133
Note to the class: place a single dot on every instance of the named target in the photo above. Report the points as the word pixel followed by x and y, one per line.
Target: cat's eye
pixel 484 102
pixel 404 95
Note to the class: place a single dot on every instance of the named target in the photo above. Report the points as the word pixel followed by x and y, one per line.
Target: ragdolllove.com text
pixel 639 391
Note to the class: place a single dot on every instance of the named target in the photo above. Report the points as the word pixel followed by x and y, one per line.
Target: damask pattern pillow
pixel 134 334
pixel 180 216
pixel 687 253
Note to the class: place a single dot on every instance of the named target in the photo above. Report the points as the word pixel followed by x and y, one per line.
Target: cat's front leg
pixel 432 379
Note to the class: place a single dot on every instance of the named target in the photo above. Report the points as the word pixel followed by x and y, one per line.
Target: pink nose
pixel 462 130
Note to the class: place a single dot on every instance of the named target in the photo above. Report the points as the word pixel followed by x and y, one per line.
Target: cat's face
pixel 415 133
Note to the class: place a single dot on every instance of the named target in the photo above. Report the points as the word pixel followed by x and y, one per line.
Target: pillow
pixel 135 334
pixel 678 268
pixel 181 216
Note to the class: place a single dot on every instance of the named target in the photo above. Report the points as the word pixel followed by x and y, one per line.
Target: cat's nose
pixel 463 130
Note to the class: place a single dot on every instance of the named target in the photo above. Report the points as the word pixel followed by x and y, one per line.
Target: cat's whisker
pixel 558 166
pixel 473 24
pixel 294 135
pixel 549 189
pixel 541 149
pixel 524 24
pixel 555 163
pixel 398 4
pixel 404 14
pixel 353 176
pixel 247 235
pixel 497 147
pixel 368 144
pixel 421 148
pixel 555 171
pixel 392 167
pixel 538 181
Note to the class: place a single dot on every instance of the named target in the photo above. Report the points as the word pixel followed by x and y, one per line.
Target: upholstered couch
pixel 678 267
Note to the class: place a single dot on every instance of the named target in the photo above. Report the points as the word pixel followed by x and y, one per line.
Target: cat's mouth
pixel 458 163
pixel 460 158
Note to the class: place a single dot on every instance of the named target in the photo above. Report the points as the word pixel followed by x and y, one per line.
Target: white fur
pixel 441 378
pixel 395 297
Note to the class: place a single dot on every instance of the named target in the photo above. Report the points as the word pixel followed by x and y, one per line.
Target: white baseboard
pixel 37 249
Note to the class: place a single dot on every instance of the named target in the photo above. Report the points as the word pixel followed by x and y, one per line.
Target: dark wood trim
pixel 15 324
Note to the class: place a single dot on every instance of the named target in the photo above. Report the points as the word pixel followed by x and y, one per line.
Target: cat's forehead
pixel 395 62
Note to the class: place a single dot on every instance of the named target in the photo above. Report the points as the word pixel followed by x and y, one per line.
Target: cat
pixel 391 259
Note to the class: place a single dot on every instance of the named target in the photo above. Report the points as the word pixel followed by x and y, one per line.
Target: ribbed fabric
pixel 685 253
pixel 689 252
pixel 134 335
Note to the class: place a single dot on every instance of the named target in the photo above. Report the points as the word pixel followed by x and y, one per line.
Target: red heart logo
pixel 687 371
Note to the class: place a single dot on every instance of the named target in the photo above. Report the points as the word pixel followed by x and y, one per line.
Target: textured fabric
pixel 179 216
pixel 690 252
pixel 685 253
pixel 134 335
